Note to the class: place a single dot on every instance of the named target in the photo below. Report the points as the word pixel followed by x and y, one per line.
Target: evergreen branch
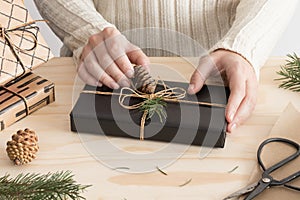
pixel 155 106
pixel 59 185
pixel 290 73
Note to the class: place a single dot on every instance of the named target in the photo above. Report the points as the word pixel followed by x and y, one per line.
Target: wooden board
pixel 61 149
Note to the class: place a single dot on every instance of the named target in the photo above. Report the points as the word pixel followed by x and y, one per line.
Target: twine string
pixel 142 125
pixel 20 96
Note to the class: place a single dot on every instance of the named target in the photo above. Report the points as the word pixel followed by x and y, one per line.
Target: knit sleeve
pixel 256 29
pixel 73 21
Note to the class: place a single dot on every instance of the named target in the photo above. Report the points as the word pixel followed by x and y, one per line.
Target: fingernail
pixel 146 65
pixel 114 86
pixel 233 127
pixel 191 89
pixel 125 83
pixel 231 116
pixel 99 84
pixel 130 73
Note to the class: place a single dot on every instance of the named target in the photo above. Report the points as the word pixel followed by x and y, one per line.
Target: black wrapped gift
pixel 196 119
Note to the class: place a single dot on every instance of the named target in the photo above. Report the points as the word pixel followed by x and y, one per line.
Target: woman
pixel 239 35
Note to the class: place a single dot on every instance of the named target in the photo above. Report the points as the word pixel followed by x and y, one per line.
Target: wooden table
pixel 61 149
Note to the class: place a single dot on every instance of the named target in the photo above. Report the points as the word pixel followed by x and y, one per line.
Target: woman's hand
pixel 241 79
pixel 107 59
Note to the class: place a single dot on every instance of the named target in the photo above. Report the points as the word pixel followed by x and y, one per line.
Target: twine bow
pixel 25 30
pixel 168 94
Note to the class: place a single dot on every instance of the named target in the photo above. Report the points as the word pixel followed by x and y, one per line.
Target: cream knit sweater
pixel 248 27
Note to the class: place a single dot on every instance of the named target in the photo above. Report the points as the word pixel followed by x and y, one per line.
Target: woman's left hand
pixel 242 82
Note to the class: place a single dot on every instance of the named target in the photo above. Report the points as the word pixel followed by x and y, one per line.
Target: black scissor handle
pixel 280 163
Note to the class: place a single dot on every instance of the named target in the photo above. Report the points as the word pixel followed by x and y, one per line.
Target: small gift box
pixel 24 96
pixel 21 46
pixel 191 119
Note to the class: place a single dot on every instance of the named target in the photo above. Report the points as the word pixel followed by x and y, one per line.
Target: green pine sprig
pixel 290 73
pixel 59 185
pixel 155 106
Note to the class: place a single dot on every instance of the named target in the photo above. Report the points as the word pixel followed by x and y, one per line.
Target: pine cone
pixel 143 82
pixel 23 147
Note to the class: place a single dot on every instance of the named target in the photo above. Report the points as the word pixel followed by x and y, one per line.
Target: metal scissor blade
pixel 242 191
pixel 259 189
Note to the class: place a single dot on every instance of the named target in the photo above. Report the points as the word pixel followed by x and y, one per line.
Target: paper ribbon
pixel 21 97
pixel 22 29
pixel 175 94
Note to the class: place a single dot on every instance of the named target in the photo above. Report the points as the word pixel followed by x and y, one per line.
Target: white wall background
pixel 288 43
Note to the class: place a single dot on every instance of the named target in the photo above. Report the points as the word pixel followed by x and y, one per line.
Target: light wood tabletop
pixel 208 178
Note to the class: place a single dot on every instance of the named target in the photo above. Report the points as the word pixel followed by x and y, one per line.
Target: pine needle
pixel 235 168
pixel 59 185
pixel 161 171
pixel 122 168
pixel 155 106
pixel 290 73
pixel 185 183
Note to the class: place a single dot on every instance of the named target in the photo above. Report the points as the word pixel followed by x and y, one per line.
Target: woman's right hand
pixel 107 59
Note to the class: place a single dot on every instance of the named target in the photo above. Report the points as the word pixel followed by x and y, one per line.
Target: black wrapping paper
pixel 186 123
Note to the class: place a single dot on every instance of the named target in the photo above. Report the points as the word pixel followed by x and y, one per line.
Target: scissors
pixel 267 180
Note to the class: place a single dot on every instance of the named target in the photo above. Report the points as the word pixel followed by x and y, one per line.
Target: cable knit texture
pixel 247 27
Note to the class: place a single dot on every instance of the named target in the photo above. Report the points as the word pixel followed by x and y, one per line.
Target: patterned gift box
pixel 21 46
pixel 24 96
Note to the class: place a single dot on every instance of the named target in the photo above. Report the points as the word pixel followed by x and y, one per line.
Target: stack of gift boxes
pixel 22 49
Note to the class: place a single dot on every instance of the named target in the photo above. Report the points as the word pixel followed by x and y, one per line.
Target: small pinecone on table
pixel 23 147
pixel 143 81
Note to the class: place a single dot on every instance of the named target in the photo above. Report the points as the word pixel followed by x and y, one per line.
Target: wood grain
pixel 61 149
